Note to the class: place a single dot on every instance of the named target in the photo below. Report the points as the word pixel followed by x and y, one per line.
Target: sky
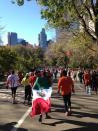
pixel 24 20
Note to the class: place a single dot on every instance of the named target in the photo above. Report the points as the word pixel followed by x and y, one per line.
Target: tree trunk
pixel 96 19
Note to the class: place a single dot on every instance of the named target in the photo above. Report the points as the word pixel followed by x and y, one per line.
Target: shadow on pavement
pixel 86 126
pixel 9 127
pixel 60 108
pixel 87 97
pixel 83 114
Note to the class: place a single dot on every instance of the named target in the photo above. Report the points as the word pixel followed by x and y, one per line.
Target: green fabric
pixel 41 82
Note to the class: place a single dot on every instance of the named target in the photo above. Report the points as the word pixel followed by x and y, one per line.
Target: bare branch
pixel 83 22
pixel 88 10
pixel 93 7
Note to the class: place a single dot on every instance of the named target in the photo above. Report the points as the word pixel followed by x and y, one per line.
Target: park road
pixel 15 117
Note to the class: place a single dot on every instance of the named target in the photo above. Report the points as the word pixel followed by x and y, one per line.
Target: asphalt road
pixel 15 117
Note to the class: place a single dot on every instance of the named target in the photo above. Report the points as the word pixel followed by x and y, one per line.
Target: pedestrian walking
pixel 28 90
pixel 66 86
pixel 41 96
pixel 94 81
pixel 13 83
pixel 80 76
pixel 32 78
pixel 87 81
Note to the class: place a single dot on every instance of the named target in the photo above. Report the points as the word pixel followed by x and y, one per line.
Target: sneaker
pixel 29 103
pixel 66 113
pixel 69 112
pixel 24 102
pixel 48 117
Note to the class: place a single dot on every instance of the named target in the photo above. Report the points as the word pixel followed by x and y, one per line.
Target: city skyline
pixel 43 39
pixel 25 21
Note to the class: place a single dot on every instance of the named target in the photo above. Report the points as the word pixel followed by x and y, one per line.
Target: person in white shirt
pixel 13 83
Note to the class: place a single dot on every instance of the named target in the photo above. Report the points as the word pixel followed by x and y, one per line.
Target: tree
pixel 27 58
pixel 1 31
pixel 62 13
pixel 84 52
pixel 80 51
pixel 66 12
pixel 55 55
pixel 8 59
pixel 19 2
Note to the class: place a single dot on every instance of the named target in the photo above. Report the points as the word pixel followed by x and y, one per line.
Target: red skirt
pixel 40 106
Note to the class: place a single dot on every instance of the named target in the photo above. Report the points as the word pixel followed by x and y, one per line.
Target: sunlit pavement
pixel 15 117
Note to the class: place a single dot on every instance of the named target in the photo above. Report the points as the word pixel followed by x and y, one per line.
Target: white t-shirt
pixel 13 80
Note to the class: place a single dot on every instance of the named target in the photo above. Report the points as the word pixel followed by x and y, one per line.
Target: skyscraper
pixel 12 38
pixel 43 39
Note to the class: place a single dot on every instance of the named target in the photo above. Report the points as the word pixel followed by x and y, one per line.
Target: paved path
pixel 14 117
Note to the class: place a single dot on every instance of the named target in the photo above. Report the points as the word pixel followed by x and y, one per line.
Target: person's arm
pixel 23 81
pixel 59 85
pixel 7 82
pixel 72 87
pixel 30 82
pixel 73 90
pixel 18 82
pixel 36 84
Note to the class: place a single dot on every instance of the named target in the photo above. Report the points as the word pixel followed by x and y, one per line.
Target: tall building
pixel 12 38
pixel 43 39
pixel 22 42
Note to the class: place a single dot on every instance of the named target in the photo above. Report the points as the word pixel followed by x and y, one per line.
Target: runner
pixel 13 83
pixel 28 90
pixel 87 81
pixel 41 96
pixel 65 84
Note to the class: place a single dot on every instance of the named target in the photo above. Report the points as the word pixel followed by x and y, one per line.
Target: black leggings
pixel 67 102
pixel 28 92
pixel 13 89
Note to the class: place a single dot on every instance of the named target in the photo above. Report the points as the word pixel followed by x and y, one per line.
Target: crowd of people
pixel 38 87
pixel 89 78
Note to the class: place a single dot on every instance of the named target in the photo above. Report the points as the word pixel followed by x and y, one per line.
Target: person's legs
pixel 86 89
pixel 29 94
pixel 95 89
pixel 47 116
pixel 65 99
pixel 40 118
pixel 13 94
pixel 12 91
pixel 15 88
pixel 81 80
pixel 89 90
pixel 69 104
pixel 26 94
